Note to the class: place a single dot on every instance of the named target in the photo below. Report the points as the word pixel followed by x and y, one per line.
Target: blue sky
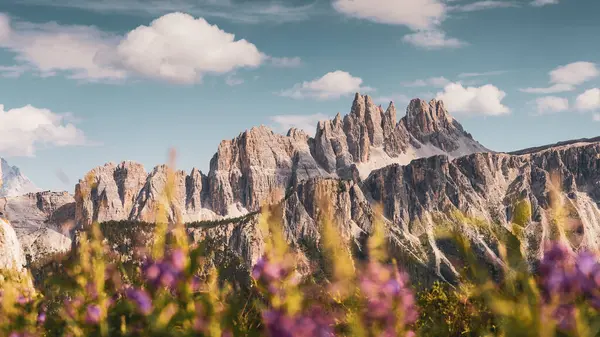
pixel 86 82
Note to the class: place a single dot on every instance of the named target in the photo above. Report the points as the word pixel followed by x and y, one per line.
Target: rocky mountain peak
pixel 13 182
pixel 430 123
pixel 427 118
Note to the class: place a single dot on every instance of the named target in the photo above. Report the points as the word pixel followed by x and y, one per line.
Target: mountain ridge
pixel 420 169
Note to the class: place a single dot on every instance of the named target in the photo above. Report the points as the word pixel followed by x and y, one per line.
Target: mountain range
pixel 421 169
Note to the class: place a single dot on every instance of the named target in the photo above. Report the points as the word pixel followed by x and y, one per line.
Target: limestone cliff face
pixel 259 164
pixel 42 222
pixel 11 253
pixel 419 170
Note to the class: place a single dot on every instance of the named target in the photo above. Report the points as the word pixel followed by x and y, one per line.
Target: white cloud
pixel 423 17
pixel 246 12
pixel 179 48
pixel 50 48
pixel 231 80
pixel 484 100
pixel 439 82
pixel 332 85
pixel 486 73
pixel 308 123
pixel 432 39
pixel 175 47
pixel 551 104
pixel 540 3
pixel 415 14
pixel 565 78
pixel 398 99
pixel 596 117
pixel 13 71
pixel 574 73
pixel 286 62
pixel 483 5
pixel 589 100
pixel 556 88
pixel 23 129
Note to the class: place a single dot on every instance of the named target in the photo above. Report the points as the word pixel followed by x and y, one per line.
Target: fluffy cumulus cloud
pixel 484 100
pixel 567 77
pixel 574 73
pixel 23 129
pixel 180 48
pixel 439 82
pixel 589 100
pixel 432 39
pixel 332 85
pixel 551 104
pixel 176 47
pixel 540 3
pixel 308 123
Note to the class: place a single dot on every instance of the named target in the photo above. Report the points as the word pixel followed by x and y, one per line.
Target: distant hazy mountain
pixel 13 182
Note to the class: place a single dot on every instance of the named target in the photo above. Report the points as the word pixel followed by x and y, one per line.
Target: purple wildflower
pixel 270 274
pixel 141 299
pixel 566 278
pixel 93 314
pixel 279 324
pixel 166 272
pixel 386 290
pixel 41 319
pixel 178 259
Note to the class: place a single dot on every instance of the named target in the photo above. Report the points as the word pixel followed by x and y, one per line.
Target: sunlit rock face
pixel 414 174
pixel 259 164
pixel 11 253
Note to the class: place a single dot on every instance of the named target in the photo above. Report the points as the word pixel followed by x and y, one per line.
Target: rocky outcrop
pixel 43 222
pixel 11 253
pixel 108 192
pixel 246 170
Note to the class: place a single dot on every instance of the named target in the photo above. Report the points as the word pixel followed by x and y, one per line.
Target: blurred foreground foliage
pixel 169 288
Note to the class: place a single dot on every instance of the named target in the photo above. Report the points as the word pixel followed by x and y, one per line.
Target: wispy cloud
pixel 550 104
pixel 553 89
pixel 482 74
pixel 567 77
pixel 250 12
pixel 482 5
pixel 423 17
pixel 232 81
pixel 308 123
pixel 285 62
pixel 439 82
pixel 540 3
pixel 432 39
pixel 398 99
